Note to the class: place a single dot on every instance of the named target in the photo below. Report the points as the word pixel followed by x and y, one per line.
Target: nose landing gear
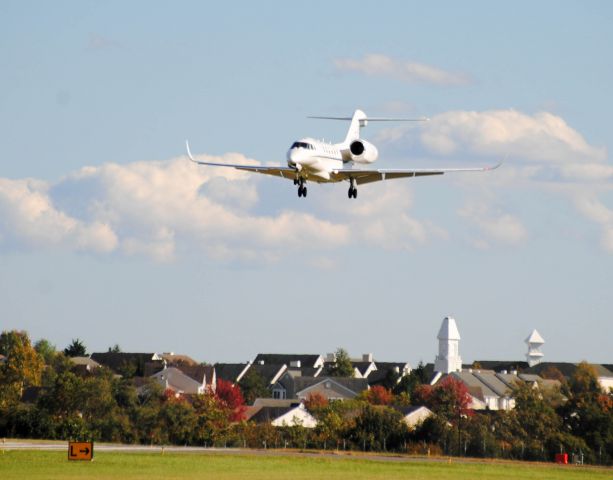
pixel 302 189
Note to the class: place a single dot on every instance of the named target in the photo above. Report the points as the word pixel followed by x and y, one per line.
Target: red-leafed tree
pixel 230 396
pixel 449 399
pixel 422 395
pixel 315 401
pixel 379 395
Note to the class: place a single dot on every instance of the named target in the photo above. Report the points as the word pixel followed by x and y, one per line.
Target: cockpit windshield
pixel 303 145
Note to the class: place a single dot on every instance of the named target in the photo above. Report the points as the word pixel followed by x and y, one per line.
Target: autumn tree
pixel 75 349
pixel 448 398
pixel 230 397
pixel 21 368
pixel 342 366
pixel 379 395
pixel 315 401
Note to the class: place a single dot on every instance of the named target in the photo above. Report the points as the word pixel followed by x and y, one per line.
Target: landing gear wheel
pixel 300 191
pixel 353 192
pixel 304 191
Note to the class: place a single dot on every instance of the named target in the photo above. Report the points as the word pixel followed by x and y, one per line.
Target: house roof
pixel 304 371
pixel 174 359
pixel 200 373
pixel 408 409
pixel 266 414
pixel 473 382
pixel 85 361
pixel 116 361
pixel 362 367
pixel 384 369
pixel 174 378
pixel 276 402
pixel 568 369
pixel 354 385
pixel 499 365
pixel 494 383
pixel 270 373
pixel 230 371
pixel 306 359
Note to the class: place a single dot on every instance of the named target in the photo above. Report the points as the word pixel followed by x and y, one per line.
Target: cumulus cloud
pixel 494 226
pixel 27 214
pixel 544 153
pixel 539 137
pixel 152 208
pixel 373 64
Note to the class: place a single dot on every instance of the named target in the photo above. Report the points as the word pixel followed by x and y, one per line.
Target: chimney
pixel 295 364
pixel 367 357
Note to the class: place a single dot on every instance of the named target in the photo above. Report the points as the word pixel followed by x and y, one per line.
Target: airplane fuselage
pixel 315 160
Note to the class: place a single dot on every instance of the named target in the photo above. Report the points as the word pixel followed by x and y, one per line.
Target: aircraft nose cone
pixel 292 156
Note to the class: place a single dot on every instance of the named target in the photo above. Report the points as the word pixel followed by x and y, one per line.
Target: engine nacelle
pixel 361 151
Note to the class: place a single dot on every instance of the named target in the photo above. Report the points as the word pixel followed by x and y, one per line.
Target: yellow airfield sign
pixel 80 450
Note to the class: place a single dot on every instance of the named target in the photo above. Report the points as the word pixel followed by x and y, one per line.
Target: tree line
pixel 575 418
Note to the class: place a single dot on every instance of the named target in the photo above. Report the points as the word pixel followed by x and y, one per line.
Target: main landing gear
pixel 302 189
pixel 353 191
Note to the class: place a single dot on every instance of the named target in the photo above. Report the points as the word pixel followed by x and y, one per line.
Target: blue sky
pixel 108 234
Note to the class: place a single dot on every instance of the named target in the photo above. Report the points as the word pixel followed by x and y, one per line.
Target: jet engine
pixel 361 151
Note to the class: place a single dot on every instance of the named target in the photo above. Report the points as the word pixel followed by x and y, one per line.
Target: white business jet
pixel 322 162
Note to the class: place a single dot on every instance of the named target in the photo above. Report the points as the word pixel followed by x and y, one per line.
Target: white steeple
pixel 534 355
pixel 448 359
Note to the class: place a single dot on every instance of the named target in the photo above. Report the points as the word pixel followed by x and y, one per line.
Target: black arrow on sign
pixel 86 451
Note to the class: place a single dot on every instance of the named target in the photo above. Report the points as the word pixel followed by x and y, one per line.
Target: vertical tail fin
pixel 358 120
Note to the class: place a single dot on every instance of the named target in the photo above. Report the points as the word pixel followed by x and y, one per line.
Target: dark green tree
pixel 253 386
pixel 342 366
pixel 75 349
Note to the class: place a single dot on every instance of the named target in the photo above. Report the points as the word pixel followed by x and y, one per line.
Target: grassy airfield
pixel 147 466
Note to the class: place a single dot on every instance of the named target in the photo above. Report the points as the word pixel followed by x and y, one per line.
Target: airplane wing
pixel 283 172
pixel 369 176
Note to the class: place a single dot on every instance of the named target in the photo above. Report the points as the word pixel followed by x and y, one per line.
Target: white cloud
pixel 152 208
pixel 374 64
pixel 497 226
pixel 542 137
pixel 27 213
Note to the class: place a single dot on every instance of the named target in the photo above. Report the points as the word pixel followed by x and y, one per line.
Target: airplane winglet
pixel 499 163
pixel 189 153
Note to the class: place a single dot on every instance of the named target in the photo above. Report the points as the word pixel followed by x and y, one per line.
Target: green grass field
pixel 147 466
